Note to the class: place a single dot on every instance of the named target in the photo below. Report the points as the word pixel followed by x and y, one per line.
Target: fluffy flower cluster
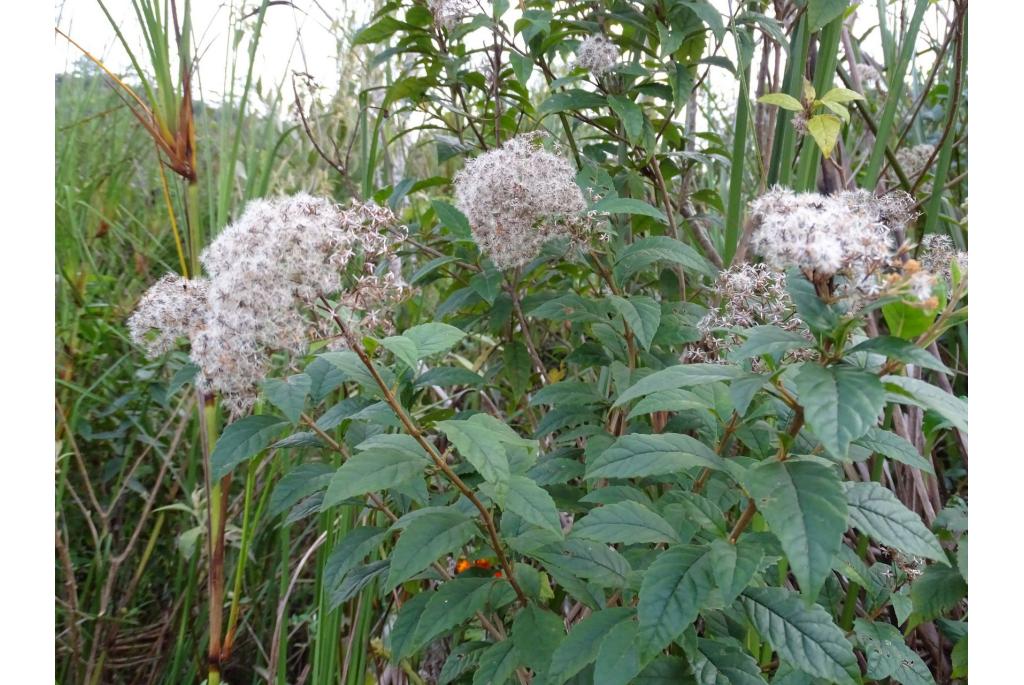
pixel 518 197
pixel 938 254
pixel 597 54
pixel 869 77
pixel 449 13
pixel 267 272
pixel 751 295
pixel 852 235
pixel 913 160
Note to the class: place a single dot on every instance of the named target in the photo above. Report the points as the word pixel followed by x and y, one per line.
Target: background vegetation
pixel 675 143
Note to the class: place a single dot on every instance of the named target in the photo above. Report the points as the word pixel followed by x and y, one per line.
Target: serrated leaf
pixel 403 349
pixel 594 561
pixel 356 579
pixel 402 634
pixel 371 471
pixel 537 634
pixel 679 376
pixel 624 522
pixel 456 601
pixel 350 551
pixel 902 350
pixel 877 512
pixel 669 400
pixel 569 100
pixel 926 395
pixel 462 659
pixel 818 316
pixel 497 663
pixel 289 395
pixel 721 662
pixel 481 440
pixel 939 589
pixel 640 456
pixel 840 403
pixel 894 447
pixel 618 660
pixel 803 635
pixel 825 128
pixel 674 589
pixel 433 338
pixel 567 392
pixel 888 656
pixel 768 340
pixel 734 566
pixel 451 218
pixel 804 505
pixel 628 205
pixel 630 114
pixel 642 314
pixel 583 643
pixel 243 440
pixel 302 481
pixel 533 503
pixel 647 251
pixel 426 539
pixel 782 100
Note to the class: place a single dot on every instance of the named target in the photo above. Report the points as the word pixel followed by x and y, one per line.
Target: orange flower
pixel 482 563
pixel 461 565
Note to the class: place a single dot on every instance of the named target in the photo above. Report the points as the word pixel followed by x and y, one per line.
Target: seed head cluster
pixel 597 54
pixel 869 77
pixel 518 197
pixel 913 161
pixel 750 295
pixel 938 254
pixel 267 273
pixel 449 13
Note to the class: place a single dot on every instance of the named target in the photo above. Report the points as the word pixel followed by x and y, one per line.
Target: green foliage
pixel 523 479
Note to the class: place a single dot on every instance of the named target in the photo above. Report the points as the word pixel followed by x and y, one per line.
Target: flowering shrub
pixel 622 406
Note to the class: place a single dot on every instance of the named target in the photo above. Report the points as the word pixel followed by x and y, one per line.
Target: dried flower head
pixel 851 234
pixel 914 161
pixel 518 197
pixel 267 271
pixel 869 77
pixel 938 255
pixel 449 13
pixel 597 54
pixel 750 295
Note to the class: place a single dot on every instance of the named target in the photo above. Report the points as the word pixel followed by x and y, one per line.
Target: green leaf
pixel 680 376
pixel 734 566
pixel 894 447
pixel 299 483
pixel 522 66
pixel 532 503
pixel 462 659
pixel 497 663
pixel 402 634
pixel 877 512
pixel 583 643
pixel 289 395
pixel 939 589
pixel 587 559
pixel 457 600
pixel 426 539
pixel 433 338
pixel 669 400
pixel 370 471
pixel 782 100
pixel 647 251
pixel 821 12
pixel 481 440
pixel 768 340
pixel 805 636
pixel 403 348
pixel 640 456
pixel 565 393
pixel 841 403
pixel 906 320
pixel 350 551
pixel 243 440
pixel 642 314
pixel 569 100
pixel 355 580
pixel 818 316
pixel 841 95
pixel 537 634
pixel 889 656
pixel 824 128
pixel 901 350
pixel 836 108
pixel 618 660
pixel 631 115
pixel 451 218
pixel 624 522
pixel 926 395
pixel 628 205
pixel 709 15
pixel 379 31
pixel 721 662
pixel 804 505
pixel 675 588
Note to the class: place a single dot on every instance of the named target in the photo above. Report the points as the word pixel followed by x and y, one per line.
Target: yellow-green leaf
pixel 841 95
pixel 782 100
pixel 825 130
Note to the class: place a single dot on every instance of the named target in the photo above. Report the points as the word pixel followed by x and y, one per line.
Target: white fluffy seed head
pixel 749 295
pixel 597 54
pixel 449 13
pixel 171 309
pixel 869 77
pixel 267 271
pixel 914 159
pixel 518 197
pixel 938 254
